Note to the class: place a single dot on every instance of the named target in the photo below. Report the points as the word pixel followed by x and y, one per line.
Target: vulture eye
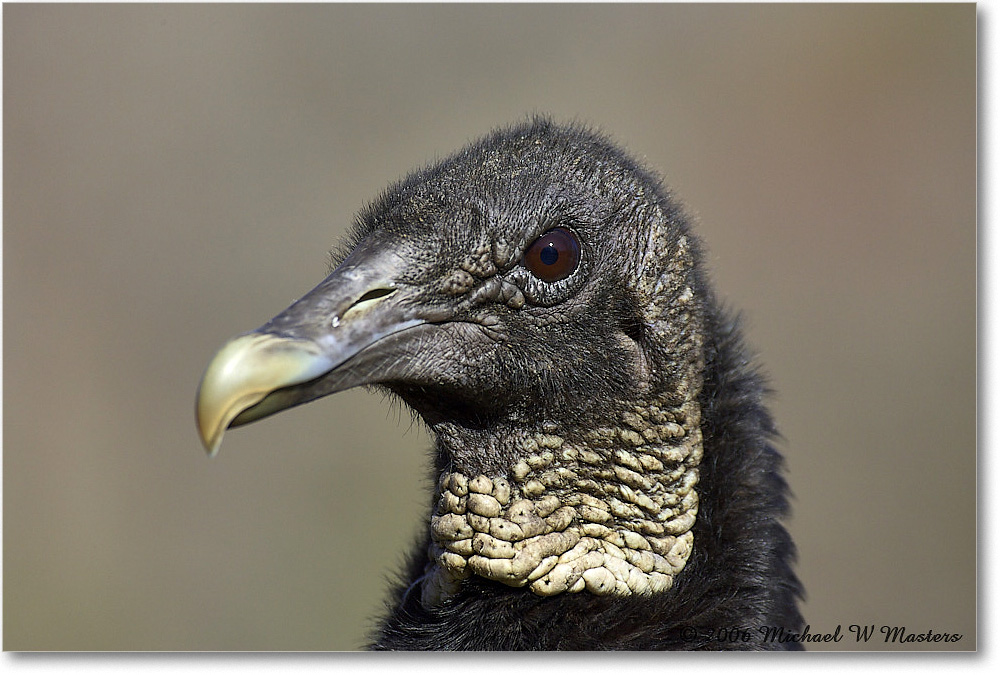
pixel 554 255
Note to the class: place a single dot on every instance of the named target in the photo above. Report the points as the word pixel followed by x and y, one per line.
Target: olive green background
pixel 174 175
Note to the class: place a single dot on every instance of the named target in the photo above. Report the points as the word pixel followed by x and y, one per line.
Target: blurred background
pixel 175 175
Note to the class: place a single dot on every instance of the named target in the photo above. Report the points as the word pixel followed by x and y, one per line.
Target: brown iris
pixel 554 255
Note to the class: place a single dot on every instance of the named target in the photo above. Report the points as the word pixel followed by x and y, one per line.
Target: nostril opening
pixel 375 294
pixel 368 297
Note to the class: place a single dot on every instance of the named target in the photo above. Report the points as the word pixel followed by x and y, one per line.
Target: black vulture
pixel 605 474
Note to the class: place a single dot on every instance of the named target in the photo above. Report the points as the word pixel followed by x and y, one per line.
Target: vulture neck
pixel 608 510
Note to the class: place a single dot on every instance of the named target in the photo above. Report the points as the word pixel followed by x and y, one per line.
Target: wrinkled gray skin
pixel 432 302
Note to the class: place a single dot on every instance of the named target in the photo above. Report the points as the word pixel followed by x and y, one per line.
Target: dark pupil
pixel 554 255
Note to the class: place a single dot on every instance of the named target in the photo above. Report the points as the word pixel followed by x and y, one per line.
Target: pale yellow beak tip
pixel 225 391
pixel 244 372
pixel 209 433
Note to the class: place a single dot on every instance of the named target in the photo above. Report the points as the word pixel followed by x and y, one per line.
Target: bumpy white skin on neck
pixel 611 515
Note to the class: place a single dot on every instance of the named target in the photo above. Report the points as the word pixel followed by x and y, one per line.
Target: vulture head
pixel 601 449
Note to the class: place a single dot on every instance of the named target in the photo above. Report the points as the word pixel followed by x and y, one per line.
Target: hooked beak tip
pixel 244 372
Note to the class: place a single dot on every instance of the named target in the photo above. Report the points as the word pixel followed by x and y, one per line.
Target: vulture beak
pixel 311 349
